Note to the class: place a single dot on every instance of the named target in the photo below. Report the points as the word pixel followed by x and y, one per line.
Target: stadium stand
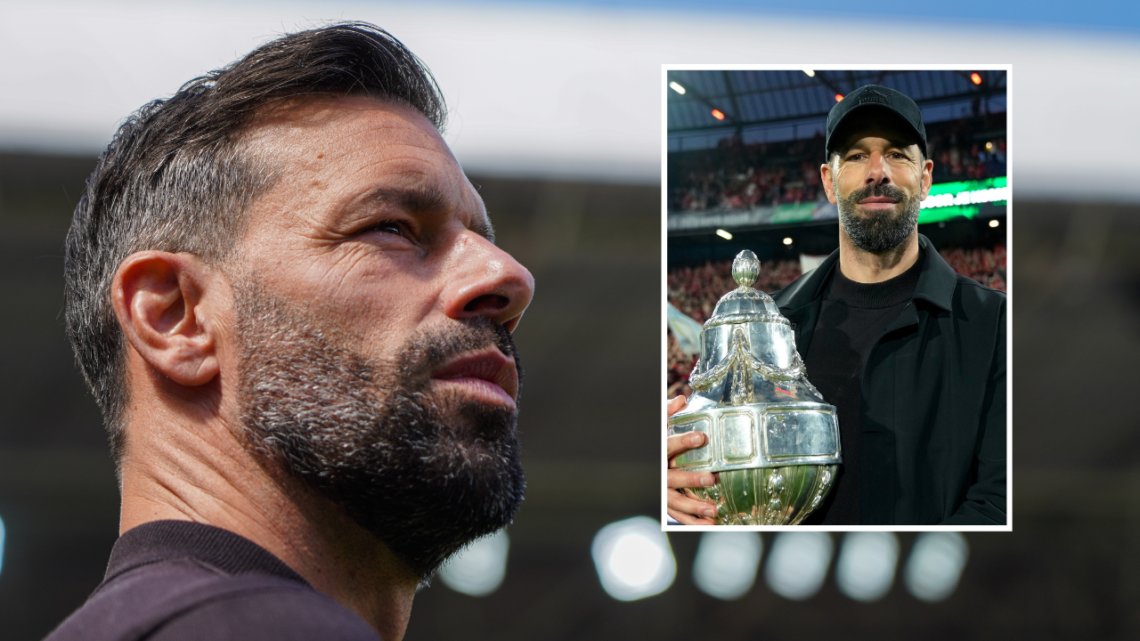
pixel 736 176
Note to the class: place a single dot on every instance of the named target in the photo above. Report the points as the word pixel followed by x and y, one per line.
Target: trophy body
pixel 771 437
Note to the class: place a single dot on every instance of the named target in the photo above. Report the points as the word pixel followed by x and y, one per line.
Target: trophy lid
pixel 745 304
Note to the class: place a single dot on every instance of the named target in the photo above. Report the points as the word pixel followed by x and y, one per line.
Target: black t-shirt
pixel 852 318
pixel 177 581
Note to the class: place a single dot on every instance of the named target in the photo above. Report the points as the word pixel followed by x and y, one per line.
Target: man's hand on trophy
pixel 680 503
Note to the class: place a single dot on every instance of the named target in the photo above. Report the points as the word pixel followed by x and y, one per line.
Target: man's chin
pixel 475 422
pixel 878 231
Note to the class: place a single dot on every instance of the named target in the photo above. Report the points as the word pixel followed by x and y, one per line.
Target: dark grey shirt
pixel 852 319
pixel 177 581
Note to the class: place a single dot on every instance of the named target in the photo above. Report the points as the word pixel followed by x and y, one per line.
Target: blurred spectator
pixel 680 365
pixel 983 265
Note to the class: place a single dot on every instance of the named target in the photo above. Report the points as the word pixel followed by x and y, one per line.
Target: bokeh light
pixel 634 559
pixel 798 564
pixel 866 566
pixel 935 565
pixel 726 563
pixel 479 569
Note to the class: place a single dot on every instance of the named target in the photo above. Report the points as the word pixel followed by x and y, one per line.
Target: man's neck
pixel 875 267
pixel 209 477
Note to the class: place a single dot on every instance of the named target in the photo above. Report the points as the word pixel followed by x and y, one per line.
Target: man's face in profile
pixel 373 318
pixel 878 181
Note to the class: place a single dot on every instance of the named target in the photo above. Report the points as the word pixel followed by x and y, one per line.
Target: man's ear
pixel 927 177
pixel 828 182
pixel 158 299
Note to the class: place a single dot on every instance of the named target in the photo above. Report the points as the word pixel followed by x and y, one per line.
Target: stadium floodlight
pixel 994 223
pixel 726 563
pixel 810 72
pixel 798 564
pixel 838 97
pixel 724 234
pixel 479 569
pixel 788 241
pixel 866 566
pixel 633 559
pixel 718 114
pixel 976 78
pixel 675 86
pixel 935 565
pixel 989 146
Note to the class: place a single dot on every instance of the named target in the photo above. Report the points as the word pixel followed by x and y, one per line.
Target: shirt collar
pixel 161 540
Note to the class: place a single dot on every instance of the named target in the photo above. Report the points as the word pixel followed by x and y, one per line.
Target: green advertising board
pixel 797 213
pixel 946 201
pixel 964 198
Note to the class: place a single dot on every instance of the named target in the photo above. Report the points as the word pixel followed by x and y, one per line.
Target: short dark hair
pixel 176 176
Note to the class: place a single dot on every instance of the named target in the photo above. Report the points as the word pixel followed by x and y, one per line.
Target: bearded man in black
pixel 286 297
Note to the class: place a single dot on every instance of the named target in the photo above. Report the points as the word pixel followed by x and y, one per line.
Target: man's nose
pixel 877 172
pixel 486 281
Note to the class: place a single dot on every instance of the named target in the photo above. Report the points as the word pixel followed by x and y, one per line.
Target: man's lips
pixel 487 373
pixel 878 202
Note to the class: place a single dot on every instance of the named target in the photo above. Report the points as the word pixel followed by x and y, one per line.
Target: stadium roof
pixel 760 97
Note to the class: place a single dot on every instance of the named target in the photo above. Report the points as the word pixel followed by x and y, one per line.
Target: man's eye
pixel 394 227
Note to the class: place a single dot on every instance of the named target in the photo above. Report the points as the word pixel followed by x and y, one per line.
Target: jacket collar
pixel 936 283
pixel 938 280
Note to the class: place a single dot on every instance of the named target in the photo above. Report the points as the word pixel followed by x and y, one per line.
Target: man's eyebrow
pixel 414 199
pixel 427 200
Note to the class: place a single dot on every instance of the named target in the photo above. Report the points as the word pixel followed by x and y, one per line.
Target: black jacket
pixel 933 418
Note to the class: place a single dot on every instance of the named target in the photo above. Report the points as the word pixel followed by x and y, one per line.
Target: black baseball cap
pixel 879 97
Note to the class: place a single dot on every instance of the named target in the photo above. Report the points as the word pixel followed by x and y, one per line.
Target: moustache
pixel 428 351
pixel 878 191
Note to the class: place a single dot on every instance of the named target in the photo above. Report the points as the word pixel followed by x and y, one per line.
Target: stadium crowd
pixel 958 155
pixel 696 290
pixel 738 176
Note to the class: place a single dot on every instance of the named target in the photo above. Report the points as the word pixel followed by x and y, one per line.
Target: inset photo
pixel 837 316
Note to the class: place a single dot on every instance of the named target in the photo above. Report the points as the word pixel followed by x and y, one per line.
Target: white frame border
pixel 1008 68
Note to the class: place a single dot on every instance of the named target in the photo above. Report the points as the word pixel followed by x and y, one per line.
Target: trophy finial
pixel 745 268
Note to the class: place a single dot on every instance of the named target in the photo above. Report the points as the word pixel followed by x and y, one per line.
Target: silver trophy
pixel 771 437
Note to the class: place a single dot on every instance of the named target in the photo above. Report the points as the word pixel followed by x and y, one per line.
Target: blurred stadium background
pixel 557 115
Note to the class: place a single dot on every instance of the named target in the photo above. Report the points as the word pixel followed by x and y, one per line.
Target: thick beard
pixel 424 473
pixel 878 231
